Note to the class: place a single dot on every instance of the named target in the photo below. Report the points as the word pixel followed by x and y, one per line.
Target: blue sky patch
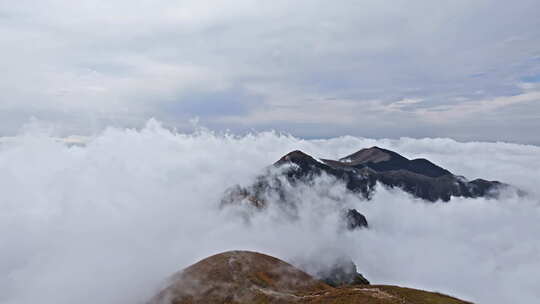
pixel 534 78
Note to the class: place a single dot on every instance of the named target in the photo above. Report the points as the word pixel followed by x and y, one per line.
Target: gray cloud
pixel 123 62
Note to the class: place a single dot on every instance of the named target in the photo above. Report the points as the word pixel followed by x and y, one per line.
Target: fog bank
pixel 107 221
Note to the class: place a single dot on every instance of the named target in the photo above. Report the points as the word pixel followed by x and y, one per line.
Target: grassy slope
pixel 420 296
pixel 379 294
pixel 242 277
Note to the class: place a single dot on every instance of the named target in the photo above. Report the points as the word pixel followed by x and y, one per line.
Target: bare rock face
pixel 242 277
pixel 355 220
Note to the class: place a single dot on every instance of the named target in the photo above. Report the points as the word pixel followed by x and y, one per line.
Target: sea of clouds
pixel 108 220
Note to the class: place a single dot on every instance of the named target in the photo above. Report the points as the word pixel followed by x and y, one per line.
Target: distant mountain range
pixel 238 277
pixel 360 172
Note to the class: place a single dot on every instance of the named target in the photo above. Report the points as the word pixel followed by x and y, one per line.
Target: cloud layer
pixel 471 67
pixel 108 221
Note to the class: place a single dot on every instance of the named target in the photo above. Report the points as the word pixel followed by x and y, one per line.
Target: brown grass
pixel 242 277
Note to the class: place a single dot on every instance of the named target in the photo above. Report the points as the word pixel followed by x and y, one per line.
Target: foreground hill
pixel 238 277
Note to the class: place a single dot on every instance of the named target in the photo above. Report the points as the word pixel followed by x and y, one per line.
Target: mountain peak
pixel 299 158
pixel 295 155
pixel 245 276
pixel 373 154
pixel 381 160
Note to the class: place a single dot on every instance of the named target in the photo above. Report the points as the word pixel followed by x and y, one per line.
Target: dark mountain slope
pixel 383 160
pixel 361 170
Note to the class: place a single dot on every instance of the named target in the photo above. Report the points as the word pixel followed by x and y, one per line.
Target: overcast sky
pixel 464 69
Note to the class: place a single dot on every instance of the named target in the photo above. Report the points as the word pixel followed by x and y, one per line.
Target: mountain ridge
pixel 419 177
pixel 360 173
pixel 241 277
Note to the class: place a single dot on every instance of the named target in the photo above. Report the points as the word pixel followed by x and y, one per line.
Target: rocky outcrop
pixel 342 272
pixel 355 220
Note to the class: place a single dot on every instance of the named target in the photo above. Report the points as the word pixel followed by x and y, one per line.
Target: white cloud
pixel 404 103
pixel 109 221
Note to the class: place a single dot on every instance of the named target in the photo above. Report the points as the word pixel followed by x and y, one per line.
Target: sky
pixel 468 70
pixel 109 221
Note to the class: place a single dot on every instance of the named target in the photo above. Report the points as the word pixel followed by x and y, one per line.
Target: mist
pixel 108 220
